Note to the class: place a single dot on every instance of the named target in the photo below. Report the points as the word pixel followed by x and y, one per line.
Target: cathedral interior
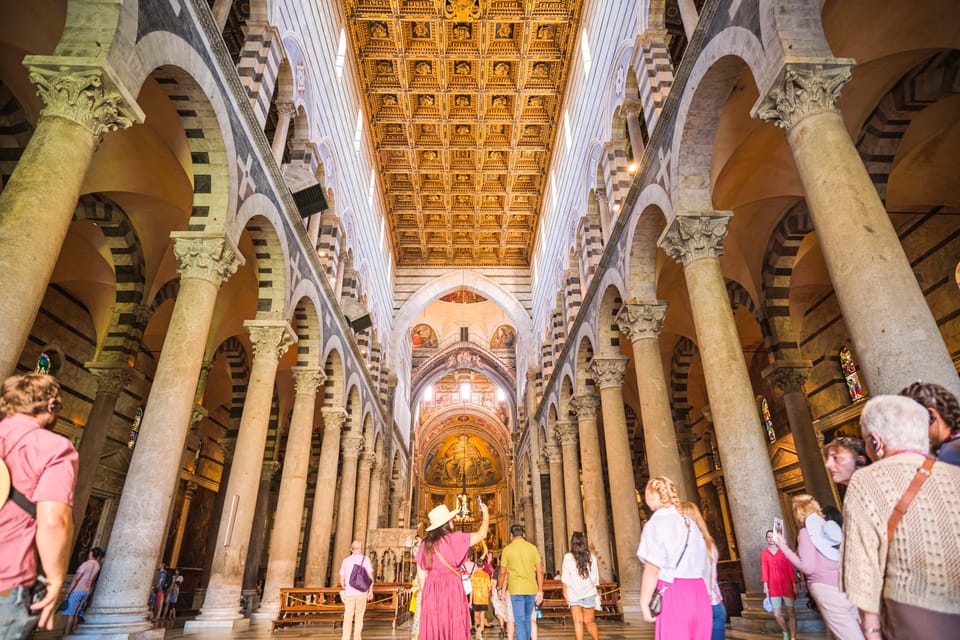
pixel 307 270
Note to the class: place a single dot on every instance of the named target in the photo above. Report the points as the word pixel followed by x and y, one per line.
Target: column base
pixel 129 626
pixel 630 604
pixel 266 613
pixel 216 619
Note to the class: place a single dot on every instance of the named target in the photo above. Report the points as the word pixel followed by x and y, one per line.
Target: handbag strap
pixel 923 472
pixel 685 542
pixel 447 564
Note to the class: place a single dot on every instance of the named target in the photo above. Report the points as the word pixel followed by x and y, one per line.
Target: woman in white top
pixel 675 560
pixel 719 632
pixel 580 578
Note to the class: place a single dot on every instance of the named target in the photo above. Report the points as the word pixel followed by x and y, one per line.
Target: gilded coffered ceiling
pixel 462 97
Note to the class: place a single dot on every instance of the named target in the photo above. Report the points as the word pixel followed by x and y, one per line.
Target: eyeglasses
pixel 55 406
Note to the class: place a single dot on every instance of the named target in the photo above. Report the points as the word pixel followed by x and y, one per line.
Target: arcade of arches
pixel 304 275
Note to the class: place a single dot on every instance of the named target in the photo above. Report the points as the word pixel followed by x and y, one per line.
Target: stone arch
pixel 302 90
pixel 271 273
pixel 568 389
pixel 791 28
pixel 306 325
pixel 472 281
pixel 585 355
pixel 15 132
pixel 122 339
pixel 706 92
pixel 882 133
pixel 182 74
pixel 237 361
pixel 781 255
pixel 684 352
pixel 608 331
pixel 642 239
pixel 739 296
pixel 333 386
pixel 354 408
pixel 168 291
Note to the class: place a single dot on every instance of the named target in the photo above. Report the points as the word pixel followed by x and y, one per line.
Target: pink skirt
pixel 687 613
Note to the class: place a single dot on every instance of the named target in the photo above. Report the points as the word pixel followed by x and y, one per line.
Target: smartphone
pixel 480 501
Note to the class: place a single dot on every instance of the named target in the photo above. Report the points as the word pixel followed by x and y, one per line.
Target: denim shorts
pixel 780 601
pixel 16 621
pixel 587 603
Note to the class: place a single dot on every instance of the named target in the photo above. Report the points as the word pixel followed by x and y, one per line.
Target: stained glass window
pixel 135 428
pixel 43 363
pixel 767 419
pixel 850 374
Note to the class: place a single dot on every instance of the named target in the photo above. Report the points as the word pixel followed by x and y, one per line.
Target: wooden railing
pixel 555 607
pixel 391 602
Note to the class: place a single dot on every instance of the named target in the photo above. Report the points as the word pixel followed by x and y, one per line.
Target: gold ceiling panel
pixel 463 97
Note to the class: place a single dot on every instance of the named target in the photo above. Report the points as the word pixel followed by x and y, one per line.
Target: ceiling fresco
pixel 462 98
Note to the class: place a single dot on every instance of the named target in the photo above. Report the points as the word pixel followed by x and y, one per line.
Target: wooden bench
pixel 555 606
pixel 391 602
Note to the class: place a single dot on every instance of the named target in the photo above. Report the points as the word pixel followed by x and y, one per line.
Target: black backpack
pixel 8 491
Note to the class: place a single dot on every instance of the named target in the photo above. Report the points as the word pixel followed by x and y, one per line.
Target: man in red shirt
pixel 43 468
pixel 779 578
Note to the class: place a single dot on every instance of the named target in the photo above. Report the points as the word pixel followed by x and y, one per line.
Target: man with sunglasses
pixel 36 520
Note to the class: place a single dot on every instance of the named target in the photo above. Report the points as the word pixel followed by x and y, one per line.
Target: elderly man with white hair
pixel 901 551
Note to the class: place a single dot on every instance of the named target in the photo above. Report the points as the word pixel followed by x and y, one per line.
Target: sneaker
pixel 786 635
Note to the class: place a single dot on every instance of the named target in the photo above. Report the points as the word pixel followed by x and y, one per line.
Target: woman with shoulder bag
pixel 674 557
pixel 719 631
pixel 580 578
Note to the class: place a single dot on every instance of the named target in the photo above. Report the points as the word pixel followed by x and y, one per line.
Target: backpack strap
pixel 15 495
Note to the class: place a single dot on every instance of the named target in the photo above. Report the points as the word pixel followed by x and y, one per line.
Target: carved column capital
pixel 608 372
pixel 685 441
pixel 801 90
pixel 286 109
pixel 554 454
pixel 333 418
pixel 270 338
pixel 691 238
pixel 112 377
pixel 351 445
pixel 205 256
pixel 789 377
pixel 585 406
pixel 642 320
pixel 85 94
pixel 307 380
pixel 567 432
pixel 367 459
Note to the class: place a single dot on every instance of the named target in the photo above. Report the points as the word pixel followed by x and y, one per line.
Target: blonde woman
pixel 719 631
pixel 818 559
pixel 674 557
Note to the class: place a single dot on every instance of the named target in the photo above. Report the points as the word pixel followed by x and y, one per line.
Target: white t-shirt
pixel 578 587
pixel 661 544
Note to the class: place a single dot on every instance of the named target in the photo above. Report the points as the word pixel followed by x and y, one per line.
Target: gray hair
pixel 900 421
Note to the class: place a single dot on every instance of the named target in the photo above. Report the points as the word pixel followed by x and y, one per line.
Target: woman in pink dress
pixel 444 614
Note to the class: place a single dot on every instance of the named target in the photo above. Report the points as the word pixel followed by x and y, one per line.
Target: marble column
pixel 697 243
pixel 112 378
pixel 282 562
pixel 318 549
pixel 119 606
pixel 285 113
pixel 868 268
pixel 790 377
pixel 573 505
pixel 642 322
pixel 350 450
pixel 270 339
pixel 376 497
pixel 537 536
pixel 189 491
pixel 596 516
pixel 250 582
pixel 81 104
pixel 608 373
pixel 558 511
pixel 632 111
pixel 687 484
pixel 362 508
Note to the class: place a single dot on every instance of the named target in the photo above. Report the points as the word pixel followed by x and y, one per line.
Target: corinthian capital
pixel 351 445
pixel 690 238
pixel 112 377
pixel 789 377
pixel 333 418
pixel 802 90
pixel 554 455
pixel 270 338
pixel 567 432
pixel 82 94
pixel 205 256
pixel 585 406
pixel 642 320
pixel 608 372
pixel 306 380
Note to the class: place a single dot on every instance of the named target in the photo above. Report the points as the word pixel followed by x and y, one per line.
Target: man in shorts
pixel 779 579
pixel 80 588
